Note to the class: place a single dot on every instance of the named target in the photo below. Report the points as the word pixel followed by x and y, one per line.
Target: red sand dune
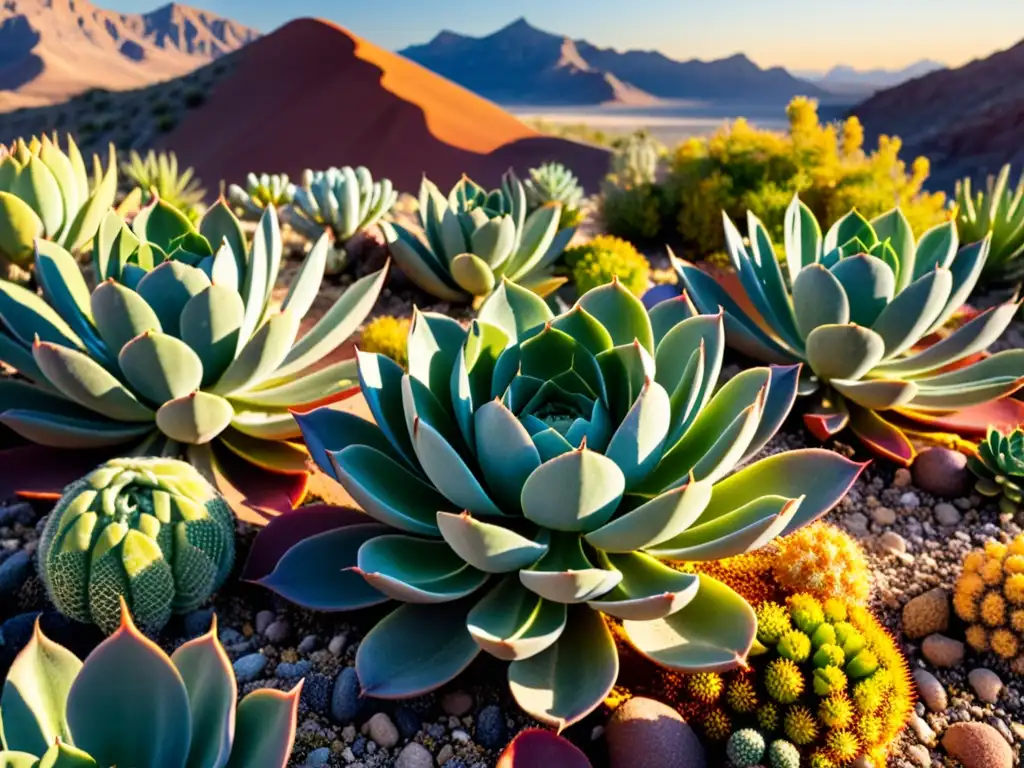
pixel 312 95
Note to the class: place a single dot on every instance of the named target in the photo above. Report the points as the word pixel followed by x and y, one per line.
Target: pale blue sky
pixel 798 34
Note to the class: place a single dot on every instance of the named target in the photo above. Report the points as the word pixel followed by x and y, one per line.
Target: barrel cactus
pixel 152 531
pixel 854 306
pixel 473 238
pixel 345 201
pixel 130 704
pixel 47 193
pixel 998 210
pixel 260 191
pixel 530 475
pixel 999 467
pixel 181 349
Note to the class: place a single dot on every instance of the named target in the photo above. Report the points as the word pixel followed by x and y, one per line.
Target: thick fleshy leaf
pixel 316 572
pixel 637 445
pixel 415 649
pixel 160 367
pixel 828 419
pixel 894 227
pixel 433 347
pixel 220 225
pixel 388 491
pixel 844 351
pixel 870 285
pixel 536 747
pixel 448 473
pixel 20 227
pixel 1005 415
pixel 878 394
pixel 285 531
pixel 966 268
pixel 472 274
pixel 64 287
pixel 35 693
pixel 276 456
pixel 103 704
pixel 381 382
pixel 654 521
pixel 576 491
pixel 936 248
pixel 414 570
pixel 510 622
pixel 565 575
pixel 689 380
pixel 121 314
pixel 649 589
pixel 206 671
pixel 714 632
pixel 622 313
pixel 487 547
pixel 27 316
pixel 819 299
pixel 881 437
pixel 505 451
pixel 421 266
pixel 584 328
pixel 59 431
pixel 517 311
pixel 261 355
pixel 783 387
pixel 264 423
pixel 802 238
pixel 210 324
pixel 912 312
pixel 196 418
pixel 265 728
pixel 168 288
pixel 569 680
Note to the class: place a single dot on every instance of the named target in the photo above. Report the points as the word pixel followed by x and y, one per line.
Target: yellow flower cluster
pixel 825 561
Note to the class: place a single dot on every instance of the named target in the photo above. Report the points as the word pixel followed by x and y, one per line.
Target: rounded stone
pixel 926 614
pixel 456 703
pixel 277 632
pixel 941 472
pixel 883 515
pixel 345 700
pixel 309 644
pixel 986 684
pixel 946 514
pixel 263 620
pixel 919 755
pixel 318 757
pixel 931 690
pixel 942 651
pixel 414 755
pixel 382 730
pixel 977 745
pixel 14 572
pixel 490 727
pixel 644 733
pixel 248 668
pixel 892 542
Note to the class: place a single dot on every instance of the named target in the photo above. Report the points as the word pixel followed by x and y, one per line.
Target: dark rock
pixel 248 668
pixel 644 733
pixel 229 636
pixel 19 512
pixel 309 644
pixel 345 700
pixel 14 572
pixel 941 472
pixel 318 757
pixel 294 671
pixel 316 692
pixel 278 632
pixel 359 746
pixel 490 727
pixel 408 722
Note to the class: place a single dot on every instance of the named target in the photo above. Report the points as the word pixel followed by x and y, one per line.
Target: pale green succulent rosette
pixel 46 193
pixel 998 210
pixel 266 189
pixel 151 531
pixel 854 306
pixel 129 704
pixel 999 466
pixel 471 239
pixel 554 183
pixel 526 481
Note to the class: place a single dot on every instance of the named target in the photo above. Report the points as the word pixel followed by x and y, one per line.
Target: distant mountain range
pixel 51 50
pixel 520 64
pixel 846 79
pixel 966 120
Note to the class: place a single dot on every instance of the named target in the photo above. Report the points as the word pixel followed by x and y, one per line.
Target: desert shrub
pixel 166 124
pixel 743 168
pixel 574 131
pixel 606 257
pixel 160 108
pixel 194 97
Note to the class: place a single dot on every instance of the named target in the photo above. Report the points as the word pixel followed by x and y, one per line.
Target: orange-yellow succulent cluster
pixel 825 561
pixel 989 596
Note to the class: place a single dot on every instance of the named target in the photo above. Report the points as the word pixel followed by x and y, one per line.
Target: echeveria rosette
pixel 260 191
pixel 131 704
pixel 181 350
pixel 472 239
pixel 854 306
pixel 151 531
pixel 525 481
pixel 999 467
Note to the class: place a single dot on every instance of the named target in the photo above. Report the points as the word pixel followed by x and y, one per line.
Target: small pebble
pixel 902 478
pixel 941 472
pixel 910 500
pixel 248 668
pixel 414 755
pixel 277 632
pixel 926 614
pixel 456 703
pixel 947 514
pixel 883 515
pixel 942 651
pixel 922 730
pixel 230 636
pixel 348 733
pixel 891 541
pixel 309 644
pixel 920 755
pixel 382 730
pixel 857 522
pixel 318 756
pixel 460 736
pixel 490 727
pixel 931 690
pixel 14 572
pixel 644 733
pixel 445 754
pixel 977 745
pixel 263 620
pixel 292 671
pixel 986 684
pixel 345 700
pixel 337 644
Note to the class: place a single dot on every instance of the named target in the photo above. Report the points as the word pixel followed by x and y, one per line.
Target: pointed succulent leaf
pixel 168 288
pixel 219 225
pixel 637 445
pixel 381 382
pixel 819 299
pixel 20 227
pixel 415 570
pixel 28 316
pixel 622 313
pixel 649 590
pixel 195 418
pixel 881 436
pixel 58 431
pixel 565 575
pixel 966 268
pixel 657 520
pixel 487 547
pixel 879 394
pixel 576 491
pixel 160 367
pixel 121 314
pixel 844 351
pixel 210 324
pixel 261 354
pixel 449 473
pixel 936 248
pixel 870 285
pixel 306 283
pixel 206 672
pixel 517 311
pixel 907 317
pixel 802 238
pixel 265 729
pixel 510 622
pixel 64 287
pixel 433 347
pixel 893 227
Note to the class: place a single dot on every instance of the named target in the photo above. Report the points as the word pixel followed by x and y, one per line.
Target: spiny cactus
pixel 605 258
pixel 999 466
pixel 825 561
pixel 150 531
pixel 989 596
pixel 828 680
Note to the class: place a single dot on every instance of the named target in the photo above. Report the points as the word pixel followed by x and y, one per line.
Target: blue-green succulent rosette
pixel 526 483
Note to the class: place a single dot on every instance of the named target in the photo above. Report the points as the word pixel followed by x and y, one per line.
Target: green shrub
pixel 634 213
pixel 194 97
pixel 166 124
pixel 597 262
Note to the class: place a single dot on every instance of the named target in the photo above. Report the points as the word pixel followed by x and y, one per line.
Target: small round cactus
pixel 745 748
pixel 151 530
pixel 989 596
pixel 782 754
pixel 606 257
pixel 824 561
pixel 387 335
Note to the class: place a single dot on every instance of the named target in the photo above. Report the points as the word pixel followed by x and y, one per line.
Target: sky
pixel 797 34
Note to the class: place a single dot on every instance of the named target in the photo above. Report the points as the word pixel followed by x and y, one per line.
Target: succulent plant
pixel 824 561
pixel 528 477
pixel 997 211
pixel 606 257
pixel 474 238
pixel 151 531
pixel 259 192
pixel 855 306
pixel 999 467
pixel 344 200
pixel 157 173
pixel 826 679
pixel 47 193
pixel 635 160
pixel 129 704
pixel 388 336
pixel 989 597
pixel 179 350
pixel 554 183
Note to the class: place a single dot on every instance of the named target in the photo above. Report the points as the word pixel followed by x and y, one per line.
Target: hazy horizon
pixel 802 35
